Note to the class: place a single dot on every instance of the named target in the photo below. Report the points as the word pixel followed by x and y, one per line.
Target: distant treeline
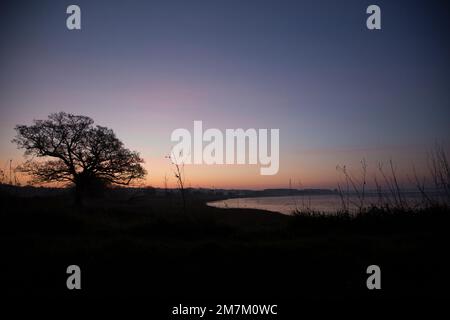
pixel 45 191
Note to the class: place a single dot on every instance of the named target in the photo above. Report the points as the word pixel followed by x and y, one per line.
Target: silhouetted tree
pixel 76 151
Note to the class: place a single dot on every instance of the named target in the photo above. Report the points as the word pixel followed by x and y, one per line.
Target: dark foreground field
pixel 149 247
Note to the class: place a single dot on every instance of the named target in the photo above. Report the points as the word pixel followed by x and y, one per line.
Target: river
pixel 323 203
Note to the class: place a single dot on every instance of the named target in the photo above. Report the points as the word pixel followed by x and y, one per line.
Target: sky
pixel 337 91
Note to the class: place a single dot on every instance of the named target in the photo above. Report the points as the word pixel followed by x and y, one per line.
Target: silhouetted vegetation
pixel 77 152
pixel 390 195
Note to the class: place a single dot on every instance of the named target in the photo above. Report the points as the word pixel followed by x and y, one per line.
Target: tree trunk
pixel 78 196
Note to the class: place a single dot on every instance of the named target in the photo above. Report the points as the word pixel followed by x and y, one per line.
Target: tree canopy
pixel 72 149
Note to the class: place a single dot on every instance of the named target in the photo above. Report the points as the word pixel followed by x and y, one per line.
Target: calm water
pixel 287 204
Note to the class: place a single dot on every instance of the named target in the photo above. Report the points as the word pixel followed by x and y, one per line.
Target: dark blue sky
pixel 337 91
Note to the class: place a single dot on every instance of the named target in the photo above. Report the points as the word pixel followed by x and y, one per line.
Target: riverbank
pixel 149 247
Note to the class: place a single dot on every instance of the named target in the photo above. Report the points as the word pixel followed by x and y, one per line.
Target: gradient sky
pixel 337 91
